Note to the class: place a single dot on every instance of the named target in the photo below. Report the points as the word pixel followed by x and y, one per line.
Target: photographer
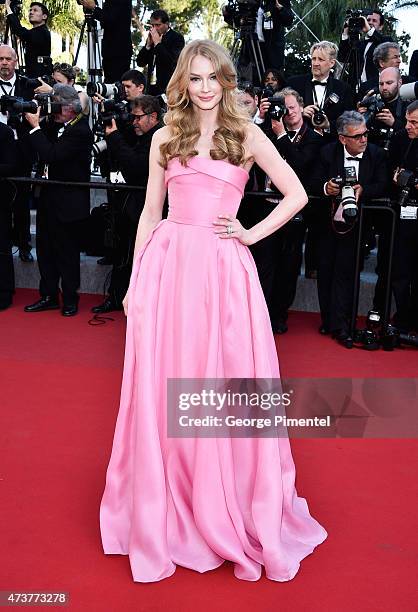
pixel 325 97
pixel 363 170
pixel 37 41
pixel 17 86
pixel 160 53
pixel 386 55
pixel 272 19
pixel 115 19
pixel 134 83
pixel 403 161
pixel 278 257
pixel 132 161
pixel 65 74
pixel 372 26
pixel 384 113
pixel 8 163
pixel 65 146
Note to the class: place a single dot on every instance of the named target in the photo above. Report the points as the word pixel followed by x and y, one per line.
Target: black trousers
pixel 126 210
pixel 404 272
pixel 21 217
pixel 278 258
pixel 114 67
pixel 7 279
pixel 58 253
pixel 336 277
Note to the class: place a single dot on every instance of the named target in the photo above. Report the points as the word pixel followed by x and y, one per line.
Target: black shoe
pixel 26 256
pixel 104 261
pixel 323 330
pixel 342 337
pixel 107 306
pixel 45 303
pixel 69 310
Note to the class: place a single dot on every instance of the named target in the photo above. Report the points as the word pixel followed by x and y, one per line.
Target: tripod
pixel 17 45
pixel 94 60
pixel 351 66
pixel 246 54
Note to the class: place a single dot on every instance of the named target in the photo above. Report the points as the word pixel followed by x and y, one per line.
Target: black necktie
pixel 354 158
pixel 324 84
pixel 291 133
pixel 7 83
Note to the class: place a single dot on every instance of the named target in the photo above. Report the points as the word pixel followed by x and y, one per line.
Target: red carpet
pixel 59 397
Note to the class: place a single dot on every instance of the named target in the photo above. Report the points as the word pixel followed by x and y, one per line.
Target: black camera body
pixel 15 6
pixel 242 13
pixel 406 180
pixel 374 105
pixel 348 196
pixel 277 109
pixel 118 111
pixel 319 115
pixel 355 21
pixel 47 105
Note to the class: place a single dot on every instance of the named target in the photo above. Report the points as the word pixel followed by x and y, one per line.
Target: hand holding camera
pixel 33 118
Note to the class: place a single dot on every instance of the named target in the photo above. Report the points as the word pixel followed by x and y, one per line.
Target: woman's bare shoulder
pixel 162 135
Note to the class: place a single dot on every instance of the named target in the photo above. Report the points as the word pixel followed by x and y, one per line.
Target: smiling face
pixel 205 91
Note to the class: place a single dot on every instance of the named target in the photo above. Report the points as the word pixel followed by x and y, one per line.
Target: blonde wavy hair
pixel 229 137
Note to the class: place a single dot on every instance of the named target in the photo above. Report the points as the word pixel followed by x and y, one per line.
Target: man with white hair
pixel 62 210
pixel 319 87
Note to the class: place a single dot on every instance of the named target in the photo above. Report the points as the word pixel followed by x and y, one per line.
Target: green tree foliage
pixel 325 21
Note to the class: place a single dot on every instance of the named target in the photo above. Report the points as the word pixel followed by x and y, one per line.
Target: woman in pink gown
pixel 196 310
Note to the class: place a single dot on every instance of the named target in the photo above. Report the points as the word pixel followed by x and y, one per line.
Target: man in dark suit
pixel 132 160
pixel 37 40
pixel 115 18
pixel 12 84
pixel 403 155
pixel 8 161
pixel 278 257
pixel 62 210
pixel 160 52
pixel 413 66
pixel 372 29
pixel 339 238
pixel 386 55
pixel 316 88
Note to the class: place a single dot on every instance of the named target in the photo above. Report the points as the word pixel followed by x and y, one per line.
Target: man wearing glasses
pixel 338 237
pixel 132 160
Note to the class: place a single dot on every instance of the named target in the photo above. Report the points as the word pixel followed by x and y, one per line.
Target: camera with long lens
pixel 354 18
pixel 106 90
pixel 15 106
pixel 409 91
pixel 374 104
pixel 320 115
pixel 110 109
pixel 241 13
pixel 406 180
pixel 348 196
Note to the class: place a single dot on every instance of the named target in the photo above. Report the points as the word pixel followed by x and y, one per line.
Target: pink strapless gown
pixel 196 310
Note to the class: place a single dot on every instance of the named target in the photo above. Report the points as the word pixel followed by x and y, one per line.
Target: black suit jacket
pixel 302 153
pixel 115 19
pixel 37 42
pixel 303 85
pixel 68 159
pixel 8 163
pixel 373 171
pixel 165 56
pixel 376 39
pixel 413 67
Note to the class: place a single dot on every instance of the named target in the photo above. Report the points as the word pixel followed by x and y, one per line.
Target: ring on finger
pixel 229 229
